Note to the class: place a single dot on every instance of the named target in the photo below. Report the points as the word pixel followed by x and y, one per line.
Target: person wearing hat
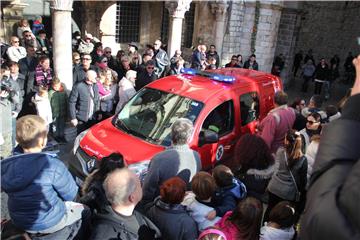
pixel 135 57
pixel 86 46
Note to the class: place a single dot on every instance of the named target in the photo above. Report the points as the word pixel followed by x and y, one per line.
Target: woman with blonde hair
pixel 289 181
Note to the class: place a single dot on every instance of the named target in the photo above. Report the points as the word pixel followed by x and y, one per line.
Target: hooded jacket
pixel 332 206
pixel 37 185
pixel 226 198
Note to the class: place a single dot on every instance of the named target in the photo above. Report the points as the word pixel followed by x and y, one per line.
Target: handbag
pixel 298 193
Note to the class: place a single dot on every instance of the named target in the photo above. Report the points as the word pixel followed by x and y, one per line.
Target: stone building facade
pixel 266 28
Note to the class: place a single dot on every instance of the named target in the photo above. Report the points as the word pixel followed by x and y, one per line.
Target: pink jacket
pixel 275 125
pixel 229 229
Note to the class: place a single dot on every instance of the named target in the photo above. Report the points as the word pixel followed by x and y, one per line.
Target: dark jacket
pixel 322 73
pixel 196 59
pixel 332 207
pixel 59 103
pixel 143 79
pixel 79 73
pixel 37 185
pixel 256 181
pixel 228 65
pixel 173 221
pixel 161 61
pixel 28 70
pixel 214 55
pixel 226 198
pixel 79 101
pixel 255 65
pixel 114 226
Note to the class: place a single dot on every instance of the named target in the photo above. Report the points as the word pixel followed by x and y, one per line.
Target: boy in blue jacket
pixel 40 187
pixel 230 191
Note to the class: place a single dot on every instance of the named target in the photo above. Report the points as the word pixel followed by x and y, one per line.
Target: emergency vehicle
pixel 223 104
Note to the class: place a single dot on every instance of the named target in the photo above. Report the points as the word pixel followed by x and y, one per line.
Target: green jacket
pixel 59 103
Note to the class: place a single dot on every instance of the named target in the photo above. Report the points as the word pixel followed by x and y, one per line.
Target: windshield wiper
pixel 130 131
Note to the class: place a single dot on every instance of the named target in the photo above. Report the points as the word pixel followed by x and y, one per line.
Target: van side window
pixel 221 119
pixel 249 107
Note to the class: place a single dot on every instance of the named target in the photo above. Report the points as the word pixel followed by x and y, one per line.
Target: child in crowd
pixel 40 187
pixel 42 104
pixel 230 191
pixel 281 223
pixel 59 106
pixel 203 187
pixel 244 221
pixel 212 234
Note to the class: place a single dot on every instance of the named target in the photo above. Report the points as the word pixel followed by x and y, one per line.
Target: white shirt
pixel 16 53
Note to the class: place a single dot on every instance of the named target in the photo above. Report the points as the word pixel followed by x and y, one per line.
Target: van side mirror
pixel 208 136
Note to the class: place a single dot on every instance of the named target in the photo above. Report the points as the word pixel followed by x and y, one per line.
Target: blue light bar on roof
pixel 211 75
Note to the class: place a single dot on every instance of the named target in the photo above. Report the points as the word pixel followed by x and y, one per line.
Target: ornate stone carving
pixel 61 5
pixel 219 8
pixel 177 9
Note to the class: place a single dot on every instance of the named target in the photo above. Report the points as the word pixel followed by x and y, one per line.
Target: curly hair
pixel 252 152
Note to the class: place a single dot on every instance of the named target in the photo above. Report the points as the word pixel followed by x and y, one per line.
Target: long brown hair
pixel 247 218
pixel 293 147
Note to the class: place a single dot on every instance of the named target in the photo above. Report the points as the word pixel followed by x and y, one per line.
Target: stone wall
pixel 204 30
pixel 236 33
pixel 330 28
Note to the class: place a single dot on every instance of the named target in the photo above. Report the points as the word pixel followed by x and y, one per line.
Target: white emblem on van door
pixel 219 152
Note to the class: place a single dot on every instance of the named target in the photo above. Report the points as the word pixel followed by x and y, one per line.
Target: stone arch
pixel 108 27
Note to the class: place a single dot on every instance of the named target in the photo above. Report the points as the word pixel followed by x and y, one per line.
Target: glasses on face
pixel 27 35
pixel 107 52
pixel 86 59
pixel 150 68
pixel 104 61
pixel 311 122
pixel 77 59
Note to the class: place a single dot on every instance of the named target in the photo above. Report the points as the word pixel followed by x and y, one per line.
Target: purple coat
pixel 275 125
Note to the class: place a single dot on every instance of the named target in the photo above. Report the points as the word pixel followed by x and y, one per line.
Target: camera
pixel 5 86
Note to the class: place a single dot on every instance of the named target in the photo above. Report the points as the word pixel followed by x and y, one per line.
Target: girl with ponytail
pixel 289 181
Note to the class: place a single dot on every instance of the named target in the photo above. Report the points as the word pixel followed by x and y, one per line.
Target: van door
pixel 220 121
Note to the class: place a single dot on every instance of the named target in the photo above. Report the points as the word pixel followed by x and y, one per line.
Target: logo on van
pixel 219 152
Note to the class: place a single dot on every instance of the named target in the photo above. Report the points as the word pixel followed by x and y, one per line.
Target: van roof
pixel 201 88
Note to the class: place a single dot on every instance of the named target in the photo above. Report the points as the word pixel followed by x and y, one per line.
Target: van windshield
pixel 151 112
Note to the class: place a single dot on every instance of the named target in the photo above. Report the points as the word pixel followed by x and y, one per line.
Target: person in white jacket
pixel 203 186
pixel 16 52
pixel 43 106
pixel 281 223
pixel 126 89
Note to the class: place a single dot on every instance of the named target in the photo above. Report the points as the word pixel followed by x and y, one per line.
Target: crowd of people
pixel 275 167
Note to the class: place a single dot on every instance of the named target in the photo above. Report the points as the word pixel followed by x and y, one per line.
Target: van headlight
pixel 78 140
pixel 140 169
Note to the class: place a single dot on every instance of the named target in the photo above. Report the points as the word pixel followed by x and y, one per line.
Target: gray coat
pixel 178 160
pixel 281 183
pixel 79 101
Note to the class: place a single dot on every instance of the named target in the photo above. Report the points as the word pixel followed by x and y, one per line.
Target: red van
pixel 223 104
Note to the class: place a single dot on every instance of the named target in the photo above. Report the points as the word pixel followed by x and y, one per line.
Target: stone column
pixel 177 12
pixel 267 25
pixel 62 49
pixel 219 9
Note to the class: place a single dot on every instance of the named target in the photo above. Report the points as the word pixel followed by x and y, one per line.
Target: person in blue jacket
pixel 40 187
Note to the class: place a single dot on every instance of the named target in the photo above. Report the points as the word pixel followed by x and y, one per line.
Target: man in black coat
pixel 146 76
pixel 161 59
pixel 79 72
pixel 84 102
pixel 27 67
pixel 123 191
pixel 332 207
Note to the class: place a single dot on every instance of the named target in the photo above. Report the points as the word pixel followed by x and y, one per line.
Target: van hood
pixel 104 138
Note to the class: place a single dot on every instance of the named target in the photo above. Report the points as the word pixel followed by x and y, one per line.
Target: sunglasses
pixel 311 122
pixel 107 52
pixel 149 68
pixel 77 59
pixel 27 35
